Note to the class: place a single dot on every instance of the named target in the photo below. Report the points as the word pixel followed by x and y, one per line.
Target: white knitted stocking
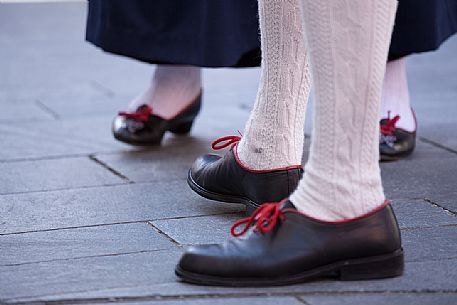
pixel 273 137
pixel 395 95
pixel 347 42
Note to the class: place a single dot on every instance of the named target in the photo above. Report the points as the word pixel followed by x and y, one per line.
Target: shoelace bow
pixel 225 142
pixel 265 218
pixel 142 114
pixel 389 128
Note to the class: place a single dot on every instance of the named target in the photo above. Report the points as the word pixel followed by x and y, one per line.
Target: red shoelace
pixel 225 142
pixel 389 128
pixel 142 114
pixel 265 218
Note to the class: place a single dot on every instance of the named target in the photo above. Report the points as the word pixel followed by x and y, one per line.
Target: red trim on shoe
pixel 343 221
pixel 266 216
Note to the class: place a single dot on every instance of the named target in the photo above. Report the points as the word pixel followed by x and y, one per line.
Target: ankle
pixel 171 90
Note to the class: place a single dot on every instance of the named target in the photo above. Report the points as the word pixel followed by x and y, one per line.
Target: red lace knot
pixel 389 127
pixel 265 219
pixel 142 114
pixel 225 142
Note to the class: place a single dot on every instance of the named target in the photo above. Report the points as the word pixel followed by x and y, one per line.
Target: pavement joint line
pixel 158 297
pixel 108 92
pixel 109 168
pixel 74 227
pixel 441 207
pixel 432 260
pixel 91 186
pixel 116 223
pixel 438 145
pixel 171 239
pixel 57 157
pixel 85 257
pixel 301 300
pixel 428 227
pixel 65 189
pixel 132 182
pixel 47 109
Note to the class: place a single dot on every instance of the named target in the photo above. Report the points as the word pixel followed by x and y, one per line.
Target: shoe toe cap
pixel 202 259
pixel 201 163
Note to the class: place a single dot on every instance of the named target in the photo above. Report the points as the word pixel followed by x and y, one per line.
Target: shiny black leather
pixel 396 146
pixel 151 132
pixel 299 248
pixel 223 179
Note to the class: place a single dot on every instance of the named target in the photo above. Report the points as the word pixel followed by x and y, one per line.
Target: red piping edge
pixel 259 171
pixel 369 213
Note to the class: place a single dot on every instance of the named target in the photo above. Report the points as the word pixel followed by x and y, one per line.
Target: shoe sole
pixel 368 268
pixel 390 158
pixel 251 206
pixel 179 130
pixel 396 157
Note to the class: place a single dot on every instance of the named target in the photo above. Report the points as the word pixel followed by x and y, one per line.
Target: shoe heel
pixel 183 128
pixel 373 268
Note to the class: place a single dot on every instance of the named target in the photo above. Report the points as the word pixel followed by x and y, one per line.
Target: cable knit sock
pixel 395 95
pixel 274 133
pixel 172 88
pixel 347 42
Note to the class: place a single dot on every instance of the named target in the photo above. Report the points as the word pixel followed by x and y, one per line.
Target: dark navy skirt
pixel 224 33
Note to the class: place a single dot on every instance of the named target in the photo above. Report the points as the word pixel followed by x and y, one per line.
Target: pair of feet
pixel 279 244
pixel 144 127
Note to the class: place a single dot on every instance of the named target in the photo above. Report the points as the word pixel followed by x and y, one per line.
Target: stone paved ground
pixel 84 219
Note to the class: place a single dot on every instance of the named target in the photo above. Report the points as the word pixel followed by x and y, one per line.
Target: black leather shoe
pixel 286 247
pixel 395 143
pixel 226 179
pixel 143 127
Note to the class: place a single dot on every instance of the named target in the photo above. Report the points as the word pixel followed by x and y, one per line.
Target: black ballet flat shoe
pixel 145 128
pixel 226 179
pixel 395 143
pixel 285 247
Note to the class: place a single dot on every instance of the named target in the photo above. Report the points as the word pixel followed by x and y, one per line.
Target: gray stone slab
pixel 442 133
pixel 28 176
pixel 168 162
pixel 426 244
pixel 419 179
pixel 23 111
pixel 31 140
pixel 214 229
pixel 383 299
pixel 86 135
pixel 447 201
pixel 205 230
pixel 221 301
pixel 104 205
pixel 173 159
pixel 420 213
pixel 434 276
pixel 128 270
pixel 88 99
pixel 80 242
